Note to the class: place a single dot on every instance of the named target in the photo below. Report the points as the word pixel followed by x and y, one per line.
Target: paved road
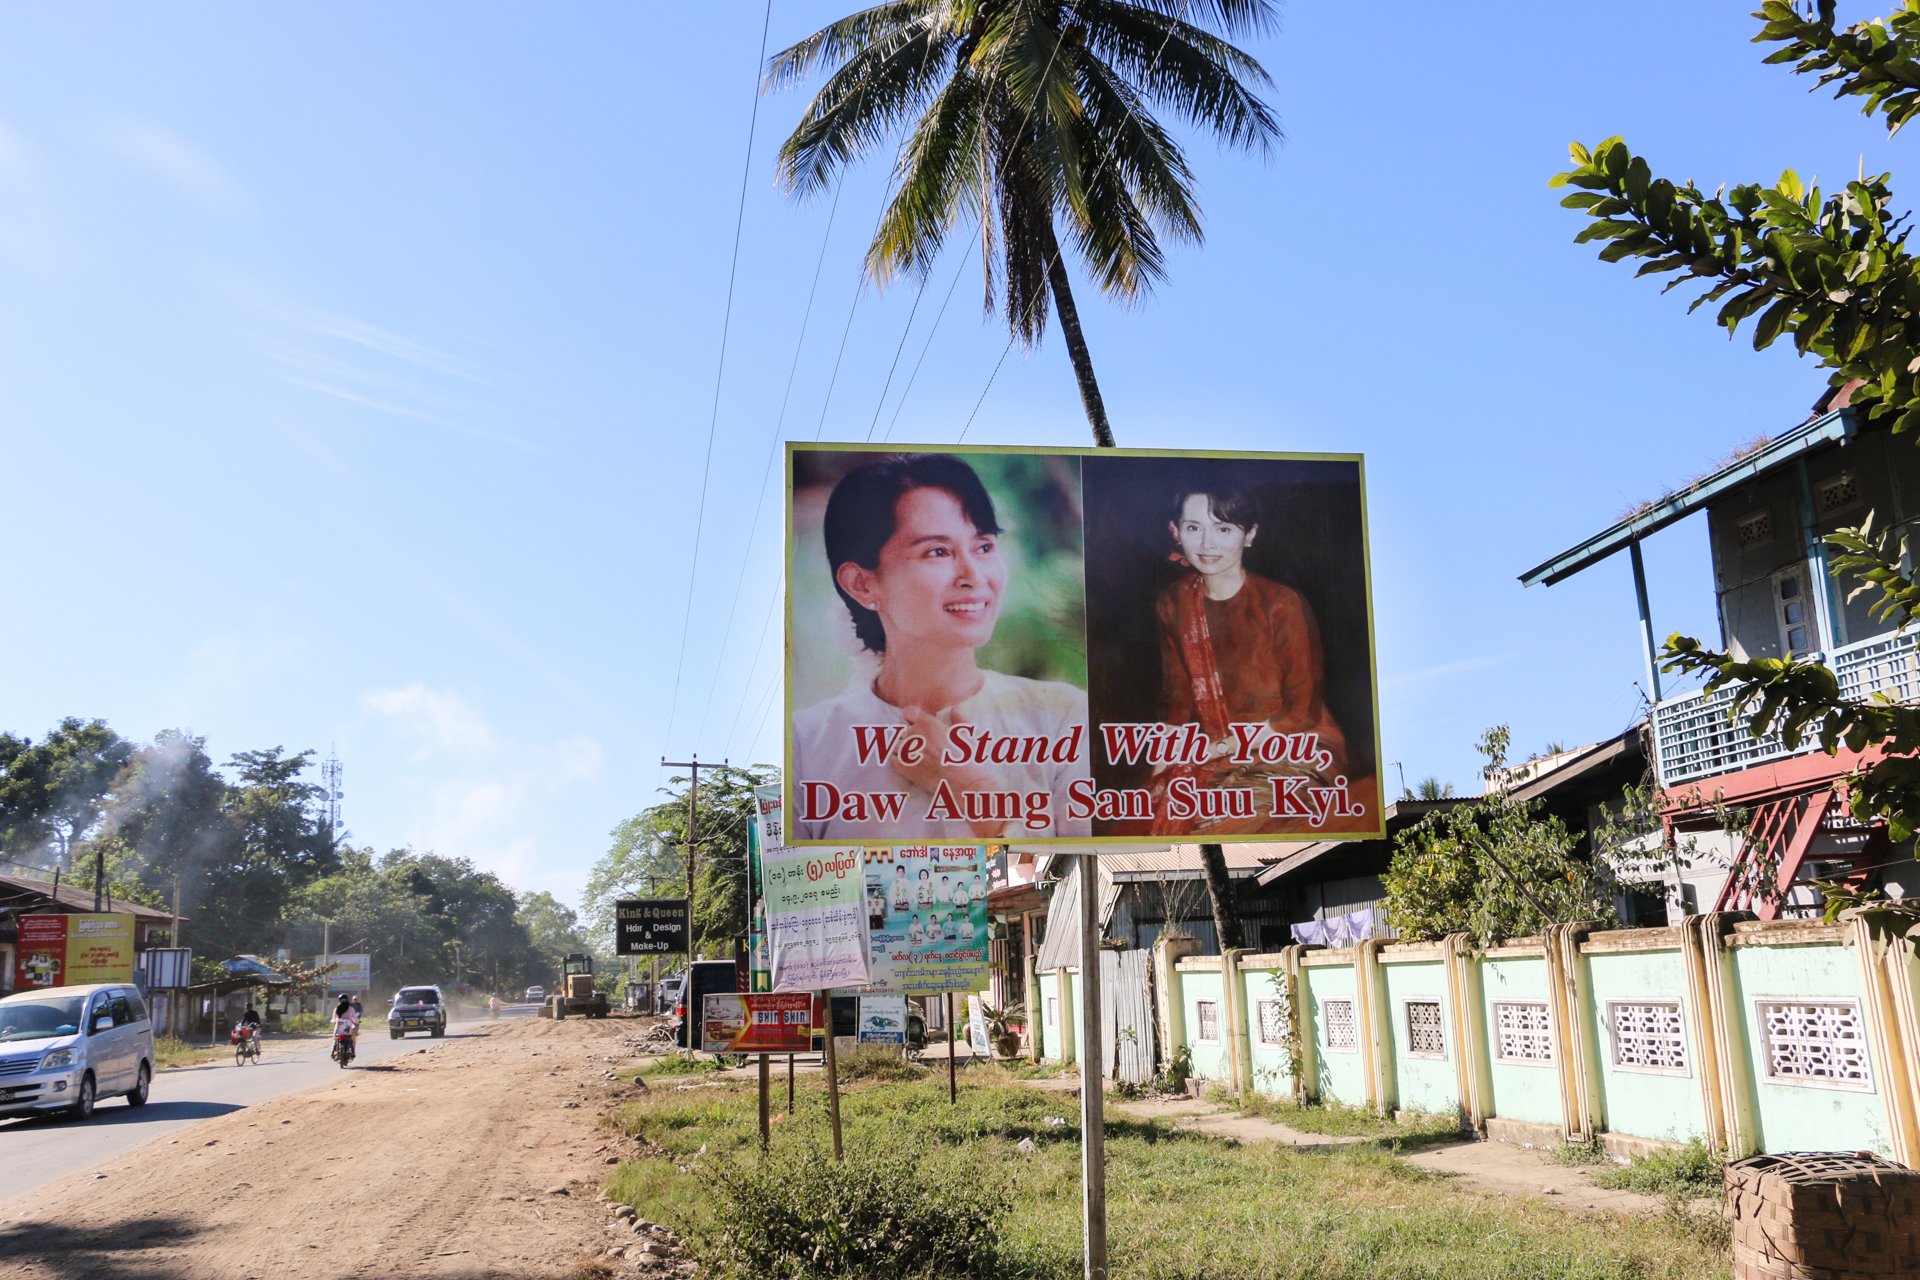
pixel 38 1150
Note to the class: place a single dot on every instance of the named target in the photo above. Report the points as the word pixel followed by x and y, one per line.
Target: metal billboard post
pixel 1093 1118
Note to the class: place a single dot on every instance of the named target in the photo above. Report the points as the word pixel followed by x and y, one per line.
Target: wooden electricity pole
pixel 693 836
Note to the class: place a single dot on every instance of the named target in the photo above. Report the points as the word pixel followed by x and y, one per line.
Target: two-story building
pixel 1767 512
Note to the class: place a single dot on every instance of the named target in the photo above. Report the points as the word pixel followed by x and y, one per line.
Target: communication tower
pixel 331 771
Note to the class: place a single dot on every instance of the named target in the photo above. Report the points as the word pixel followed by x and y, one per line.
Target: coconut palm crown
pixel 1032 116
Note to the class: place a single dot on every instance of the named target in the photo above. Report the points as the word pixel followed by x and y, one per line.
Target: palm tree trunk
pixel 1213 863
pixel 1226 920
pixel 1076 341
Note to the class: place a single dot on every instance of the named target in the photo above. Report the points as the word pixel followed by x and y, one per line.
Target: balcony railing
pixel 1694 738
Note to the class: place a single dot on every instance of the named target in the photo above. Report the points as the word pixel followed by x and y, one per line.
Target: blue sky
pixel 356 370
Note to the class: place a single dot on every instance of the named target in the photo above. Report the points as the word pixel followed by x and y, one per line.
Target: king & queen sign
pixel 650 926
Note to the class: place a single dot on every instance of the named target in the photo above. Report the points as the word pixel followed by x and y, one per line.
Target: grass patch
pixel 1333 1120
pixel 877 1062
pixel 681 1064
pixel 171 1051
pixel 1683 1173
pixel 1182 1206
pixel 1579 1154
pixel 300 1024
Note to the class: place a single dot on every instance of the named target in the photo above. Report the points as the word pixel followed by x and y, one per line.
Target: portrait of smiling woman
pixel 920 674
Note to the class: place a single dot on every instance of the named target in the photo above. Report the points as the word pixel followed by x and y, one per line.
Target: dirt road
pixel 480 1159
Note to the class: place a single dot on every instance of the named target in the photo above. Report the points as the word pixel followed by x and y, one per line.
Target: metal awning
pixel 1833 428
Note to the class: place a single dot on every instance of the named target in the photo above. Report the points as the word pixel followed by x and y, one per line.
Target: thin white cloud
pixel 1442 670
pixel 183 165
pixel 382 342
pixel 439 721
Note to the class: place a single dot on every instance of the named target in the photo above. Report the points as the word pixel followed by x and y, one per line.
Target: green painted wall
pixel 1640 1102
pixel 1050 1010
pixel 1528 1092
pixel 1209 1056
pixel 1803 1117
pixel 1272 1063
pixel 1422 1084
pixel 1342 1078
pixel 1072 979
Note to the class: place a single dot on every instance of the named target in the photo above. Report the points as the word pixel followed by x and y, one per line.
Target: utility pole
pixel 693 830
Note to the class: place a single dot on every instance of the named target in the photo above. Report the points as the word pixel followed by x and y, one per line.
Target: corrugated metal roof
pixel 72 897
pixel 1182 862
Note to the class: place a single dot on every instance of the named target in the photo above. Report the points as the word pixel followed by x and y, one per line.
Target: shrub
pixel 879 1215
pixel 1689 1171
pixel 302 1023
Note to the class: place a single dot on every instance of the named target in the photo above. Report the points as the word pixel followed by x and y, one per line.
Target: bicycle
pixel 246 1045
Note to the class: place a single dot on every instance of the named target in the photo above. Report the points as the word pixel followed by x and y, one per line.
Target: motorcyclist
pixel 346 1021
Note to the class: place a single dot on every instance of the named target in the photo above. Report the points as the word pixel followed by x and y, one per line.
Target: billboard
pixel 349 973
pixel 816 926
pixel 1077 647
pixel 72 950
pixel 740 1022
pixel 650 926
pixel 927 918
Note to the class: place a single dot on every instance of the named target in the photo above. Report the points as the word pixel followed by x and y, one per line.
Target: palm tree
pixel 1033 117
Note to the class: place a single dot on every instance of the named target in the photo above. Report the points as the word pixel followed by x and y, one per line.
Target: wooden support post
pixel 833 1081
pixel 789 1084
pixel 766 1122
pixel 953 1043
pixel 1093 1120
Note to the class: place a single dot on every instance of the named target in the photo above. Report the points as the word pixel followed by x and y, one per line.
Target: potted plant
pixel 1003 1027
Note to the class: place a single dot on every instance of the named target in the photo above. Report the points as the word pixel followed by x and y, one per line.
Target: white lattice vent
pixel 1756 528
pixel 1815 1042
pixel 1523 1031
pixel 1338 1016
pixel 1208 1012
pixel 1648 1035
pixel 1273 1021
pixel 1426 1036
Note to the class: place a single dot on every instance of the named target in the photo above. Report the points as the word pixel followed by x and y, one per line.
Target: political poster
pixel 1077 647
pixel 977 1028
pixel 926 909
pixel 883 1020
pixel 816 923
pixel 756 1022
pixel 72 950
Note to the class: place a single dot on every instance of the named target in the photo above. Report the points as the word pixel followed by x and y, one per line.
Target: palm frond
pixel 840 40
pixel 862 103
pixel 939 180
pixel 1236 17
pixel 1204 78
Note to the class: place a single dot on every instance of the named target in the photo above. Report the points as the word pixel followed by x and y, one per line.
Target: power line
pixel 713 421
pixel 766 472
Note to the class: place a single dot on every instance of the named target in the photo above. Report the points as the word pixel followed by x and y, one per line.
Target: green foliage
pixel 881 1213
pixel 1492 867
pixel 681 1064
pixel 648 857
pixel 1872 60
pixel 306 1023
pixel 877 1062
pixel 52 792
pixel 1686 1171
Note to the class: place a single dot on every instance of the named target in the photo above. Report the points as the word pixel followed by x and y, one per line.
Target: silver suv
pixel 62 1048
pixel 417 1009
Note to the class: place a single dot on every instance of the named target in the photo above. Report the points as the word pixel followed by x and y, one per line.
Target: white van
pixel 63 1048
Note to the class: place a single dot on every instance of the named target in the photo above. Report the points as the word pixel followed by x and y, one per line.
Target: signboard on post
pixel 927 918
pixel 71 950
pixel 350 972
pixel 883 1020
pixel 168 968
pixel 816 918
pixel 756 1022
pixel 1077 646
pixel 650 926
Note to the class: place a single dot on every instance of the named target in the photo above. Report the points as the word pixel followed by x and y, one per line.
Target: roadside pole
pixel 1093 1120
pixel 766 1123
pixel 833 1079
pixel 953 1043
pixel 789 1084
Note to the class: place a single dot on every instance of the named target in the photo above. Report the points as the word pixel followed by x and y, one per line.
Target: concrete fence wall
pixel 1749 1036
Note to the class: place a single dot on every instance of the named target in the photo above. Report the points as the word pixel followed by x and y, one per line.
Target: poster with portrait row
pixel 1077 647
pixel 918 912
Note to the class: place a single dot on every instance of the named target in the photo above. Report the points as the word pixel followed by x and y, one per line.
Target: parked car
pixel 535 994
pixel 63 1048
pixel 418 1009
pixel 702 978
pixel 668 993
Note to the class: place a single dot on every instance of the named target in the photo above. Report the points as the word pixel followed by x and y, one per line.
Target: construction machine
pixel 574 993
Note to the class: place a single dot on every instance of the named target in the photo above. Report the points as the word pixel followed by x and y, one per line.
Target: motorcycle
pixel 343 1048
pixel 246 1045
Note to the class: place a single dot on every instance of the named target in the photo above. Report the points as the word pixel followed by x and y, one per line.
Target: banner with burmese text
pixel 1077 647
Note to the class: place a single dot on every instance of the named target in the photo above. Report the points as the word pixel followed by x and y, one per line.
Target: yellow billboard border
pixel 1115 844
